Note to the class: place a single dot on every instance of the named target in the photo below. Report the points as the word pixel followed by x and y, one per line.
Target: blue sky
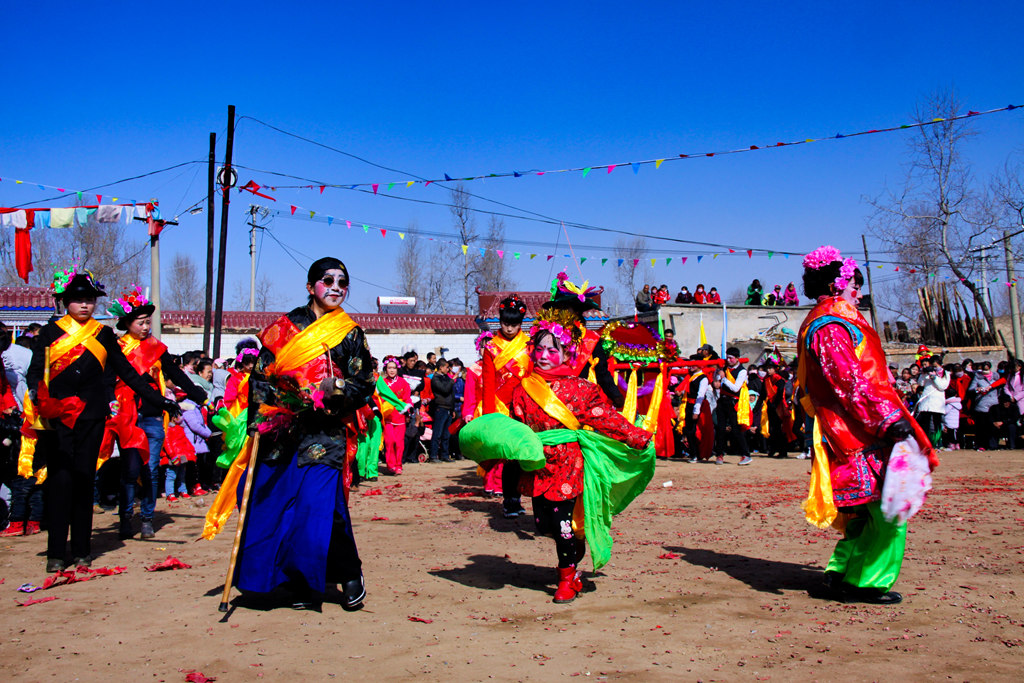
pixel 98 93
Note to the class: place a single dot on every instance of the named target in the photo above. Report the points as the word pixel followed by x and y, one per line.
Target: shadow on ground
pixel 766 576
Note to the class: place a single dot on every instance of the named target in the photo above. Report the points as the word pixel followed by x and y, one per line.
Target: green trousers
pixel 368 450
pixel 871 552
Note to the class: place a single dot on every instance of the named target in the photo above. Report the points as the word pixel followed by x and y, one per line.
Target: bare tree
pixel 266 295
pixel 184 290
pixel 439 284
pixel 411 269
pixel 938 217
pixel 495 271
pixel 626 275
pixel 465 226
pixel 108 250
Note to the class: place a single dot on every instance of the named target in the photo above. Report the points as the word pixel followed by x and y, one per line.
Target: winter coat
pixel 933 393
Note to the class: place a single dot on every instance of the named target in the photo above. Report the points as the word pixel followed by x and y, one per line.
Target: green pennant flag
pixel 770 254
pixel 366 228
pixel 516 255
pixel 604 261
pixel 668 261
pixel 586 171
pixel 583 259
pixel 390 185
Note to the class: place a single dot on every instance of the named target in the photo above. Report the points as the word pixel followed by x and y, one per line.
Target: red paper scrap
pixel 373 492
pixel 169 563
pixel 198 677
pixel 67 576
pixel 668 556
pixel 378 519
pixel 421 620
pixel 35 601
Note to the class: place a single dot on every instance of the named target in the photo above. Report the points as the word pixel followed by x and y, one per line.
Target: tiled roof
pixel 488 303
pixel 21 298
pixel 370 322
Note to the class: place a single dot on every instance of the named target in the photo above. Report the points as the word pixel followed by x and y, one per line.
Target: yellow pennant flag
pixel 410 183
pixel 652 262
pixel 703 334
pixel 401 235
pixel 465 248
pixel 658 163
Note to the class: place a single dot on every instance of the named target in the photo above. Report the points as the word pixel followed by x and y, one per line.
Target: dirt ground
pixel 709 580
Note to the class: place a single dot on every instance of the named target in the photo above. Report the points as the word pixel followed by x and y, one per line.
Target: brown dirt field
pixel 733 604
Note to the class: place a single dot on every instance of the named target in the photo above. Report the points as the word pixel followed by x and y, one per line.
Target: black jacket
pixel 180 379
pixel 86 378
pixel 443 387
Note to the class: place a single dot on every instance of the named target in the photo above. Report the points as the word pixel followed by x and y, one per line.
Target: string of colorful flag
pixel 636 165
pixel 80 194
pixel 297 212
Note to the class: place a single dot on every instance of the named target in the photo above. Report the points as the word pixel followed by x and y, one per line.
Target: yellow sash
pixel 320 336
pixel 743 416
pixel 84 335
pixel 629 403
pixel 541 392
pixel 511 350
pixel 650 422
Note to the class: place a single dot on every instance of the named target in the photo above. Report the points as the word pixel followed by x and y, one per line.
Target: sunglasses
pixel 329 281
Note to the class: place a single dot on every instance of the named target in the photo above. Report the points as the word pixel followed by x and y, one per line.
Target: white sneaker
pixel 745 460
pixel 804 456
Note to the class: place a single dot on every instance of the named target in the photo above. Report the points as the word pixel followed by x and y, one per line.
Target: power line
pixel 116 182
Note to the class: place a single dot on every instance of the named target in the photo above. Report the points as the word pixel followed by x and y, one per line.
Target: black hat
pixel 130 306
pixel 732 351
pixel 321 266
pixel 79 286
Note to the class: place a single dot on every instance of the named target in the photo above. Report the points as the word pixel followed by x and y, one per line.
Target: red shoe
pixel 569 585
pixel 32 528
pixel 199 491
pixel 184 495
pixel 13 529
pixel 172 498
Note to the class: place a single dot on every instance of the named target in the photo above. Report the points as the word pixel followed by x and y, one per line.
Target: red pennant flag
pixel 322 189
pixel 750 253
pixel 635 262
pixel 251 186
pixel 293 209
pixel 612 167
pixel 732 251
pixel 383 232
pixel 99 198
pixel 375 186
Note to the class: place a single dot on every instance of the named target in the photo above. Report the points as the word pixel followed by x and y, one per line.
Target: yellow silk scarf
pixel 84 335
pixel 509 350
pixel 320 336
pixel 541 392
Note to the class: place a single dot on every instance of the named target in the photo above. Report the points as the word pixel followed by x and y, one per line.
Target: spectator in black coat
pixel 441 406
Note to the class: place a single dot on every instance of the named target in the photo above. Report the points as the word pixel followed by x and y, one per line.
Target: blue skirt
pixel 296 514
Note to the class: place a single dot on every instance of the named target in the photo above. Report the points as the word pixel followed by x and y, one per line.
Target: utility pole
pixel 210 189
pixel 1014 301
pixel 154 287
pixel 252 257
pixel 226 183
pixel 867 267
pixel 985 296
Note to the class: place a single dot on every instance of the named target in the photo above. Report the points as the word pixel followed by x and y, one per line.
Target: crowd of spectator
pixel 652 297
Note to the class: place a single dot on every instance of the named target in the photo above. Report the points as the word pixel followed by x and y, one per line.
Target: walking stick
pixel 250 472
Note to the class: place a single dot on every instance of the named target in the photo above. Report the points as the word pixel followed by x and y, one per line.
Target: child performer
pixel 395 400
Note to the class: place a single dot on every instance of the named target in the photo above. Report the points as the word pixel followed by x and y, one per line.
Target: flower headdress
pixel 513 302
pixel 128 302
pixel 827 255
pixel 482 339
pixel 62 277
pixel 240 358
pixel 390 359
pixel 580 297
pixel 564 324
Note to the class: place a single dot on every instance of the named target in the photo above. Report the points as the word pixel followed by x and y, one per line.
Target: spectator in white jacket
pixel 931 406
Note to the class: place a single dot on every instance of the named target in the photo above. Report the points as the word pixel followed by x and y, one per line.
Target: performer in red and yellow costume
pixel 858 417
pixel 583 461
pixel 395 400
pixel 75 362
pixel 132 423
pixel 505 360
pixel 309 400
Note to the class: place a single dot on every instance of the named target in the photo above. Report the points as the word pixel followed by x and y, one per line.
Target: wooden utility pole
pixel 252 257
pixel 210 189
pixel 867 267
pixel 1014 300
pixel 225 183
pixel 154 287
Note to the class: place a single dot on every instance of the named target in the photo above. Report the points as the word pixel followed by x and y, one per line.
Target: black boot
pixel 125 530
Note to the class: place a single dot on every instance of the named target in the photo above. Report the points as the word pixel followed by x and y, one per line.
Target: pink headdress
pixel 390 359
pixel 827 255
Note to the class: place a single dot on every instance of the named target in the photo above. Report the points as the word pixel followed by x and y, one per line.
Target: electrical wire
pixel 104 185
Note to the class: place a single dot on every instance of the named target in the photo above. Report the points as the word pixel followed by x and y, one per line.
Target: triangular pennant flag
pixel 612 167
pixel 533 256
pixel 586 171
pixel 517 174
pixel 349 224
pixel 772 253
pixel 750 253
pixel 40 187
pixel 516 256
pixel 312 213
pixel 658 163
pixel 366 228
pixel 653 261
pixel 621 261
pixel 635 262
pixel 427 183
pixel 483 252
pixel 501 253
pixel 550 256
pixel 390 185
pixel 99 199
pixel 401 235
pixel 684 261
pixel 636 169
pixel 375 186
pixel 465 248
pixel 732 251
pixel 330 219
pixel 78 193
pixel 19 182
pixel 699 258
pixel 714 256
pixel 322 189
pixel 785 255
pixel 604 261
pixel 410 183
pixel 113 199
pixel 293 209
pixel 583 259
pixel 383 232
pixel 668 260
pixel 447 177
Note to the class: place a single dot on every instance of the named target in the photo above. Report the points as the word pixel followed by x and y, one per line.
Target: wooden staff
pixel 250 474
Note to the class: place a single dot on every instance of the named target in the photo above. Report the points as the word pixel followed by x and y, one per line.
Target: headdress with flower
pixel 240 358
pixel 390 359
pixel 827 255
pixel 514 303
pixel 75 281
pixel 481 341
pixel 130 305
pixel 580 298
pixel 564 324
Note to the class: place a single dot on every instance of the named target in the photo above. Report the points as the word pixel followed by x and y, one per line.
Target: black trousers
pixel 728 427
pixel 68 490
pixel 412 439
pixel 554 518
pixel 777 442
pixel 510 474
